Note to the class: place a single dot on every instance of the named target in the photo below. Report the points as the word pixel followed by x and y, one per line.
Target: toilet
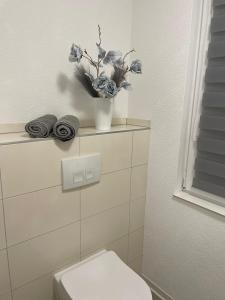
pixel 102 276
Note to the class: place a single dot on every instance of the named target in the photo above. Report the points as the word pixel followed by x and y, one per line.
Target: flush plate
pixel 81 170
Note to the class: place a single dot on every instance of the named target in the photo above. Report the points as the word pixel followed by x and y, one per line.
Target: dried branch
pixel 128 53
pixel 99 35
pixel 99 44
pixel 89 58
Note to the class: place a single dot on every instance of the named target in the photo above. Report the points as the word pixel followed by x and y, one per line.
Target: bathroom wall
pixel 43 228
pixel 35 75
pixel 184 244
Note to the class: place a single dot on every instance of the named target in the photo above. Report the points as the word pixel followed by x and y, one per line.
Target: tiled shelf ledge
pixel 23 137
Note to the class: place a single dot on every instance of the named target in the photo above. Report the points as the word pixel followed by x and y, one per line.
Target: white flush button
pixel 81 170
pixel 89 174
pixel 78 177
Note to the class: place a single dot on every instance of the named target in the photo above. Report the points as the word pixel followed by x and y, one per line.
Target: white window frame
pixel 200 35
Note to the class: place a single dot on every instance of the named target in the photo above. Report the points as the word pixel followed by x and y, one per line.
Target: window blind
pixel 210 161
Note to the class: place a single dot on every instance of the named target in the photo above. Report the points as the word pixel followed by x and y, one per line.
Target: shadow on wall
pixel 81 101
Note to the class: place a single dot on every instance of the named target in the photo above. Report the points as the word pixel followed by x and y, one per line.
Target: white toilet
pixel 102 276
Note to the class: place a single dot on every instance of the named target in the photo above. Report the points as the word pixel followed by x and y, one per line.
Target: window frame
pixel 200 37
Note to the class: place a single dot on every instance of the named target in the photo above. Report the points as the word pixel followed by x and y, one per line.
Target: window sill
pixel 200 202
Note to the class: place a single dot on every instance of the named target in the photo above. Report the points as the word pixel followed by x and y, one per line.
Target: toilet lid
pixel 105 277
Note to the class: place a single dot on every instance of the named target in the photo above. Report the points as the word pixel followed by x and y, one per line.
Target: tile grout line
pixel 6 249
pixel 35 191
pixel 105 210
pixel 80 191
pixel 130 196
pixel 134 231
pixel 92 252
pixel 43 234
pixel 137 229
pixel 60 185
pixel 66 225
pixel 138 198
pixel 66 265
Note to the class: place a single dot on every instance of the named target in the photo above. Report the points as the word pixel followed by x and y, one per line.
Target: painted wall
pixel 35 75
pixel 184 245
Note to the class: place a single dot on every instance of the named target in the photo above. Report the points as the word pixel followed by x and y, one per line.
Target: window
pixel 202 168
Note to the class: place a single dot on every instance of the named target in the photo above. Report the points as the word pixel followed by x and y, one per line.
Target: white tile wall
pixel 137 213
pixel 39 256
pixel 4 273
pixel 33 166
pixel 99 230
pixel 106 194
pixel 36 213
pixel 40 289
pixel 136 264
pixel 2 227
pixel 140 147
pixel 136 244
pixel 0 188
pixel 47 229
pixel 116 149
pixel 120 247
pixel 6 296
pixel 138 182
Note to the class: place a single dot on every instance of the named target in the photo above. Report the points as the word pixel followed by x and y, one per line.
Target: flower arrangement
pixel 101 84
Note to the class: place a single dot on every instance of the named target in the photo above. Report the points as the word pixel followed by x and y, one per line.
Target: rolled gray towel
pixel 66 128
pixel 41 127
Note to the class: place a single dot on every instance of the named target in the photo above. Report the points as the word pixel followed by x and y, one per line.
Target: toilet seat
pixel 104 277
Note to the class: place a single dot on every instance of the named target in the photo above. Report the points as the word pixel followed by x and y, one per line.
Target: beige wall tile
pixel 120 247
pixel 112 190
pixel 0 187
pixel 40 289
pixel 137 214
pixel 138 182
pixel 100 230
pixel 136 265
pixel 136 239
pixel 44 254
pixel 140 147
pixel 39 212
pixel 115 149
pixel 6 296
pixel 33 166
pixel 2 227
pixel 4 273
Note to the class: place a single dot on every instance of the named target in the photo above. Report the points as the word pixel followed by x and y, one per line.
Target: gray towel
pixel 66 128
pixel 41 127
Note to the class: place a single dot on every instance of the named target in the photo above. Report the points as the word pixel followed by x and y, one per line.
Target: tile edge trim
pixel 19 127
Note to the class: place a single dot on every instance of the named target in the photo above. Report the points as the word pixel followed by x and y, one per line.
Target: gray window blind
pixel 210 161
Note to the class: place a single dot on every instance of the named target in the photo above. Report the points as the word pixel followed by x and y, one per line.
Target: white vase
pixel 103 113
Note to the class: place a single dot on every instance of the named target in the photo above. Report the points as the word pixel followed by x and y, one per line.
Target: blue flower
pixel 76 54
pixel 105 86
pixel 136 67
pixel 100 82
pixel 110 89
